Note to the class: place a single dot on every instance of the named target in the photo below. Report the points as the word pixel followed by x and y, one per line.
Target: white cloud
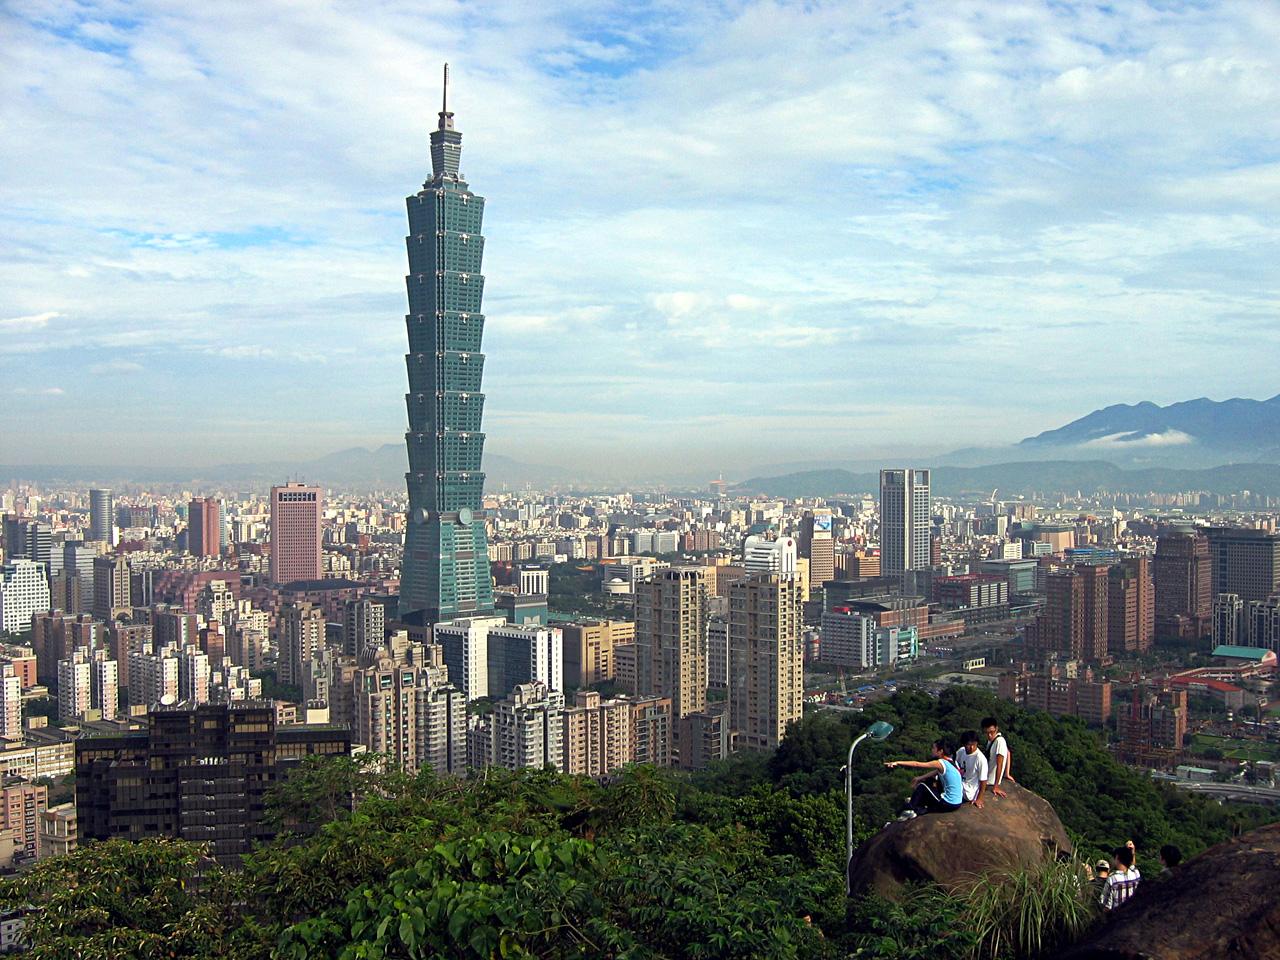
pixel 1125 441
pixel 33 321
pixel 757 190
pixel 38 391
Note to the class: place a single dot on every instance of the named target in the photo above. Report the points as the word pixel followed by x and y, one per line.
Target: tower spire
pixel 446 142
pixel 446 117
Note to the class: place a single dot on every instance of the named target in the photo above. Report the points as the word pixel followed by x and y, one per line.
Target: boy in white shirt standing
pixel 973 768
pixel 999 761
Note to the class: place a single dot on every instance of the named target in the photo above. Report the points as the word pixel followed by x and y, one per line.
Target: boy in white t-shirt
pixel 999 761
pixel 973 768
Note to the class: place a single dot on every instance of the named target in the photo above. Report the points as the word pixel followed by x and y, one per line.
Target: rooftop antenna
pixel 444 99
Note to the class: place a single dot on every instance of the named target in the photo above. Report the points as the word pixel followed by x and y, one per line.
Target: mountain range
pixel 1216 446
pixel 1193 434
pixel 1220 446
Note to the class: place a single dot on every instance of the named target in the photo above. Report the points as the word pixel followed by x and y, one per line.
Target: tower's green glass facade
pixel 445 573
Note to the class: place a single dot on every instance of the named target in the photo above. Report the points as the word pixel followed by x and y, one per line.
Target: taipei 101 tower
pixel 445 573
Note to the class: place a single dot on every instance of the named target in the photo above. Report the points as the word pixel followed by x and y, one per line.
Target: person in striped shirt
pixel 1124 879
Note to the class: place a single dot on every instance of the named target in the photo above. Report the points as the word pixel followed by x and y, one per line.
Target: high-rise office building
pixel 762 555
pixel 102 517
pixel 112 594
pixel 522 655
pixel 816 544
pixel 588 652
pixel 671 640
pixel 855 639
pixel 300 634
pixel 24 592
pixel 1245 562
pixel 465 644
pixel 296 510
pixel 204 527
pixel 905 521
pixel 197 772
pixel 1229 620
pixel 534 579
pixel 1183 573
pixel 363 626
pixel 29 539
pixel 1262 623
pixel 14 531
pixel 1130 606
pixel 10 703
pixel 766 659
pixel 445 572
pixel 1074 623
pixel 718 651
pixel 76 580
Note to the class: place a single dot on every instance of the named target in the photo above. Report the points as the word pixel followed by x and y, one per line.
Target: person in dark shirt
pixel 1170 857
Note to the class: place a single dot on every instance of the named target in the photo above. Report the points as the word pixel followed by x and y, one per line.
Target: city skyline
pixel 858 220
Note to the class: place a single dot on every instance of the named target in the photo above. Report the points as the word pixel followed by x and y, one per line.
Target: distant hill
pixel 1026 477
pixel 1216 431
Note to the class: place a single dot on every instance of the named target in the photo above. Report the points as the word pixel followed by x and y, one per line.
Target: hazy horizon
pixel 720 238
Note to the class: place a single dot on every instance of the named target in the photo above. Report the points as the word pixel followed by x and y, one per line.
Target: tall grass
pixel 1027 911
pixel 1015 914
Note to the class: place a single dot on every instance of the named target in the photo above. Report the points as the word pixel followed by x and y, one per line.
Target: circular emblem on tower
pixel 464 516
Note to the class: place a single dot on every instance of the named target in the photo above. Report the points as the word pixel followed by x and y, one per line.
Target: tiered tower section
pixel 445 573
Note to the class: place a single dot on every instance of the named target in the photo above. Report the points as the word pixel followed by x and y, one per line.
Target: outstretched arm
pixel 915 764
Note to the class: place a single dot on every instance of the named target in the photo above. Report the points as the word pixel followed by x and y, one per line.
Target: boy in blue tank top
pixel 940 789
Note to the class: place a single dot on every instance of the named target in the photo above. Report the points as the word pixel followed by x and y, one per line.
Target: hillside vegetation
pixel 744 860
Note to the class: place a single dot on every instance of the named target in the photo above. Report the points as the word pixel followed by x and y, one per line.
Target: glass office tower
pixel 445 572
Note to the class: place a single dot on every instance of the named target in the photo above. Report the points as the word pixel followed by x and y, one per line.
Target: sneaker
pixel 906 815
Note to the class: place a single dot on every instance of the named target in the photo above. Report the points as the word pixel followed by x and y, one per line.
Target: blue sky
pixel 718 234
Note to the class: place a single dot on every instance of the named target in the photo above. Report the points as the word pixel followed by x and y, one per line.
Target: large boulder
pixel 1220 904
pixel 946 848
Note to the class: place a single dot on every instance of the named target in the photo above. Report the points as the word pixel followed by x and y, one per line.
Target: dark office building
pixel 1184 587
pixel 1245 562
pixel 198 772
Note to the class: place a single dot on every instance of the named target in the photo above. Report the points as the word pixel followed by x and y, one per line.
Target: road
pixel 1241 792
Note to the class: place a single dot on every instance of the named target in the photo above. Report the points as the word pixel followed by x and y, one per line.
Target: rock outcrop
pixel 1219 904
pixel 946 848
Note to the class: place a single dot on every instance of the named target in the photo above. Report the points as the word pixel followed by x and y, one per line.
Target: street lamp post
pixel 877 731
